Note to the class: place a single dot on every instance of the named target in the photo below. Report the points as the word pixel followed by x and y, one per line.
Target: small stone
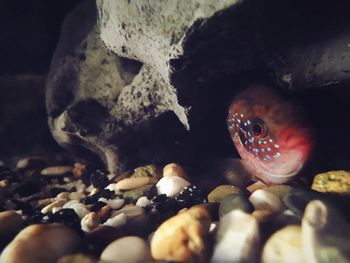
pixel 284 246
pixel 57 171
pixel 130 211
pixel 234 202
pixel 135 194
pixel 80 209
pixel 76 196
pixel 237 239
pixel 182 237
pixel 163 203
pixel 143 201
pixel 79 169
pixel 99 179
pixel 173 169
pixel 10 223
pixel 134 182
pixel 171 185
pixel 63 195
pixel 48 208
pixel 127 249
pixel 116 221
pixel 147 171
pixel 77 258
pixel 280 191
pixel 41 243
pixel 216 195
pixel 263 216
pixel 35 162
pixel 189 196
pixel 89 222
pixel 263 200
pixel 332 182
pixel 65 216
pixel 70 203
pixel 115 203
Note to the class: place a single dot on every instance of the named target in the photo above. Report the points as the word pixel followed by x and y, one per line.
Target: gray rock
pixel 233 202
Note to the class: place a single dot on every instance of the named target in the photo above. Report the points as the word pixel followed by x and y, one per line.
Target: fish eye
pixel 259 128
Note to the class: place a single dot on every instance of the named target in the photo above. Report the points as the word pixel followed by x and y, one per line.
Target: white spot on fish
pixel 268 157
pixel 248 121
pixel 268 149
pixel 270 140
pixel 241 115
pixel 239 121
pixel 262 150
pixel 277 146
pixel 277 155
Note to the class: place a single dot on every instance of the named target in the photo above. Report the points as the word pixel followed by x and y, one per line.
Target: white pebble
pixel 143 201
pixel 89 222
pixel 49 207
pixel 115 203
pixel 112 187
pixel 75 196
pixel 80 209
pixel 118 220
pixel 130 211
pixel 63 195
pixel 171 185
pixel 69 204
pixel 264 200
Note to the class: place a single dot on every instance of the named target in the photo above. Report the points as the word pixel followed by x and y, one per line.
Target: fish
pixel 270 133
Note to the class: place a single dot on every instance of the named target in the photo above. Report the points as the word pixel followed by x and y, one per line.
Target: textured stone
pixel 217 194
pixel 182 237
pixel 332 182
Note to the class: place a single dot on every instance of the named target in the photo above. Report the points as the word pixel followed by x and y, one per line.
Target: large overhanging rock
pixel 130 78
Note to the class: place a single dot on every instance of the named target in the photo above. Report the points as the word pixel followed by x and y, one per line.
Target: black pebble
pixel 65 216
pixel 164 203
pixel 99 179
pixel 6 173
pixel 189 196
pixel 97 206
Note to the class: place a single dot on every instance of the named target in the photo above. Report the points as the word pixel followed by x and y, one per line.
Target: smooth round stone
pixel 31 162
pixel 264 200
pixel 143 201
pixel 284 246
pixel 80 209
pixel 57 170
pixel 115 221
pixel 130 211
pixel 181 238
pixel 127 249
pixel 70 203
pixel 134 182
pixel 171 186
pixel 57 203
pixel 115 203
pixel 234 202
pixel 63 195
pixel 89 222
pixel 134 195
pixel 237 238
pixel 280 191
pixel 41 243
pixel 216 195
pixel 332 182
pixel 174 169
pixel 75 196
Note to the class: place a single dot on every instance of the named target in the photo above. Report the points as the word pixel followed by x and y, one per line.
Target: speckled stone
pixel 127 249
pixel 171 185
pixel 332 182
pixel 233 202
pixel 147 171
pixel 217 194
pixel 182 237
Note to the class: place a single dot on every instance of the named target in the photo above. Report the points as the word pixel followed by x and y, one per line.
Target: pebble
pixel 76 196
pixel 48 208
pixel 63 195
pixel 284 246
pixel 118 220
pixel 135 194
pixel 263 216
pixel 143 201
pixel 264 200
pixel 280 191
pixel 147 171
pixel 134 182
pixel 234 202
pixel 189 196
pixel 41 243
pixel 80 209
pixel 112 187
pixel 130 211
pixel 10 223
pixel 237 238
pixel 182 237
pixel 115 203
pixel 70 203
pixel 216 195
pixel 127 249
pixel 332 182
pixel 171 185
pixel 57 171
pixel 31 162
pixel 325 234
pixel 77 258
pixel 173 169
pixel 90 221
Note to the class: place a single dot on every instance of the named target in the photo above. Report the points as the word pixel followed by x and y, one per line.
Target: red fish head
pixel 269 134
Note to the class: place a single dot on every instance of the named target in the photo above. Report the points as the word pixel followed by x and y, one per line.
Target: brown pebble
pixel 79 169
pixel 4 183
pixel 10 222
pixel 219 193
pixel 182 237
pixel 134 182
pixel 263 216
pixel 174 169
pixel 57 171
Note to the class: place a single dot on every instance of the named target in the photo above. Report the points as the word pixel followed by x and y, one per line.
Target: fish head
pixel 269 134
